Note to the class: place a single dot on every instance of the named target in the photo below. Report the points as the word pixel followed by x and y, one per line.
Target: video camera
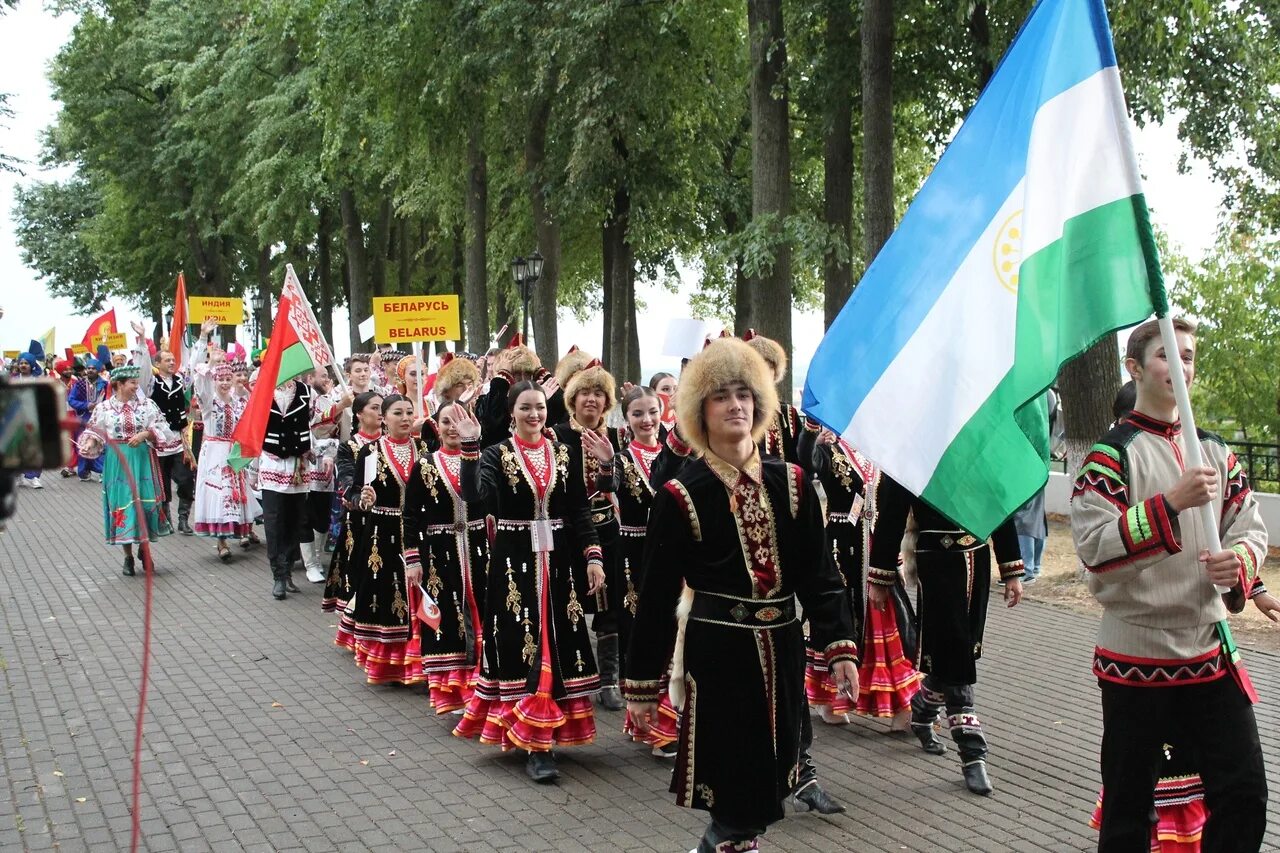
pixel 33 432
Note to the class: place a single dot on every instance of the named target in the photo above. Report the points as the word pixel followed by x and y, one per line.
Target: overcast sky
pixel 1186 206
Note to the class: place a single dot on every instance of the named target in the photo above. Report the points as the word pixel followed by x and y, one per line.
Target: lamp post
pixel 256 301
pixel 526 273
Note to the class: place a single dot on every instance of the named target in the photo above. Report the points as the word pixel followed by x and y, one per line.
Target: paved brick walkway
pixel 338 765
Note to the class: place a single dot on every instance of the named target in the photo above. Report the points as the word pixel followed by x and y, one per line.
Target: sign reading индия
pixel 404 319
pixel 227 310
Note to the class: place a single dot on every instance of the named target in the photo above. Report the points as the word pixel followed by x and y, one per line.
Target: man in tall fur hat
pixel 733 539
pixel 783 435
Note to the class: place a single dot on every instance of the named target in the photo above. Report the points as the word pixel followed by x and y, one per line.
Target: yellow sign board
pixel 116 341
pixel 227 310
pixel 405 319
pixel 12 353
pixel 79 349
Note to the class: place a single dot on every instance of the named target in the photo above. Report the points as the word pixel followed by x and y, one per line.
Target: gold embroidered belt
pixel 737 612
pixel 957 541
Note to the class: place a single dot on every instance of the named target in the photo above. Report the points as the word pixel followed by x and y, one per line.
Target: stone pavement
pixel 260 734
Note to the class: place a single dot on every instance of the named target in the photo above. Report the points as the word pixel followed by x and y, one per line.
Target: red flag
pixel 286 357
pixel 178 330
pixel 104 325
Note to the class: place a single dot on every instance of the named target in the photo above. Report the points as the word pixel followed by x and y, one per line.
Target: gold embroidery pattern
pixel 690 708
pixel 574 608
pixel 462 623
pixel 580 664
pixel 434 584
pixel 689 508
pixel 708 796
pixel 510 466
pixel 634 484
pixel 399 607
pixel 373 605
pixel 793 489
pixel 842 468
pixel 562 461
pixel 430 476
pixel 630 599
pixel 530 649
pixel 513 593
pixel 375 559
pixel 351 539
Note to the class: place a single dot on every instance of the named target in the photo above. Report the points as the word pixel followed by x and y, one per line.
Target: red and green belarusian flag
pixel 297 346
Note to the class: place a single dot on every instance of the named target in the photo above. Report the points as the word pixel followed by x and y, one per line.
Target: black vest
pixel 289 432
pixel 171 397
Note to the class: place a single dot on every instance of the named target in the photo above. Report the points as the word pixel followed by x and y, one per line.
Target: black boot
pixel 926 706
pixel 278 574
pixel 184 513
pixel 541 767
pixel 976 778
pixel 813 798
pixel 607 654
pixel 288 580
pixel 128 570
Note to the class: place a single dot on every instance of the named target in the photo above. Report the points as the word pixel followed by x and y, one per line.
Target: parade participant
pixel 450 541
pixel 28 367
pixel 665 385
pixel 283 470
pixel 130 423
pixel 1167 666
pixel 743 536
pixel 384 604
pixel 66 372
pixel 327 406
pixel 344 576
pixel 517 363
pixel 539 674
pixel 159 382
pixel 590 396
pixel 408 385
pixel 222 493
pixel 784 433
pixel 886 679
pixel 574 361
pixel 954 571
pixel 457 380
pixel 643 466
pixel 83 398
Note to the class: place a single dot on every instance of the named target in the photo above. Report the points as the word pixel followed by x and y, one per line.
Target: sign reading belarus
pixel 415 318
pixel 227 310
pixel 116 341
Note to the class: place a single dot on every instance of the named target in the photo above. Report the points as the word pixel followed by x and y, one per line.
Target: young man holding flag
pixel 1165 660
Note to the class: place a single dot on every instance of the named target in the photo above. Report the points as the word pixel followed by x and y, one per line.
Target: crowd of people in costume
pixel 537 546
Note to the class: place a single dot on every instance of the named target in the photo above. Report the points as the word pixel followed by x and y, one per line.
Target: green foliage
pixel 1235 294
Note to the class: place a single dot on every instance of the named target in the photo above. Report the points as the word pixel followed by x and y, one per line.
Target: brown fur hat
pixel 771 351
pixel 592 376
pixel 573 361
pixel 724 360
pixel 524 361
pixel 454 372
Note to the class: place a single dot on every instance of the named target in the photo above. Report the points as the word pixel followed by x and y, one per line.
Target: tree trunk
pixel 324 272
pixel 359 304
pixel 606 291
pixel 379 248
pixel 621 285
pixel 1088 387
pixel 476 287
pixel 458 278
pixel 771 169
pixel 633 330
pixel 544 223
pixel 262 268
pixel 404 258
pixel 877 124
pixel 837 156
pixel 980 33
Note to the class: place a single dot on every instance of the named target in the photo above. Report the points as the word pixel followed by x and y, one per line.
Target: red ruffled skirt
pixel 1180 814
pixel 886 679
pixel 664 731
pixel 536 723
pixel 390 662
pixel 451 689
pixel 346 637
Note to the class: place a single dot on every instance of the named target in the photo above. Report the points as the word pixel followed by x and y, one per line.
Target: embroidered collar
pixel 1146 423
pixel 369 436
pixel 393 440
pixel 648 448
pixel 537 445
pixel 577 426
pixel 753 470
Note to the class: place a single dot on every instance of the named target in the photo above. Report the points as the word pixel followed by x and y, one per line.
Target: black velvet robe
pixel 757 537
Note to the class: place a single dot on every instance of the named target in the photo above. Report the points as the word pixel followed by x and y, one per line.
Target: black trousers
pixel 174 472
pixel 286 519
pixel 319 505
pixel 1215 725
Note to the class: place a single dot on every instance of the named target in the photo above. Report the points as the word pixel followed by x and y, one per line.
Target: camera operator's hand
pixel 138 437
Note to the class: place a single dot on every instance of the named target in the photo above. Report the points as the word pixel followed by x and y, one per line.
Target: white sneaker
pixel 35 483
pixel 96 477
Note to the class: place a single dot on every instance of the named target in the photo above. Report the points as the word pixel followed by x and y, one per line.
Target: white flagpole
pixel 1191 440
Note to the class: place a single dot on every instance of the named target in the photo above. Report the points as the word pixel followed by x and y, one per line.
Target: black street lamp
pixel 256 302
pixel 526 273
